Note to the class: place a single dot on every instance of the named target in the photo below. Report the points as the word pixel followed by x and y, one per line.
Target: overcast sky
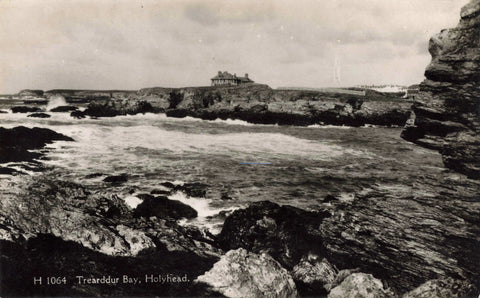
pixel 112 44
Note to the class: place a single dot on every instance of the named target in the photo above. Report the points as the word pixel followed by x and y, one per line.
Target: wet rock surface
pixel 447 109
pixel 285 232
pixel 240 273
pixel 116 179
pixel 61 228
pixel 25 109
pixel 112 108
pixel 402 234
pixel 15 142
pixel 162 207
pixel 39 115
pixel 62 109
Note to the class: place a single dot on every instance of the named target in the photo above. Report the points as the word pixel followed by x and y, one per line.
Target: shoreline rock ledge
pixel 446 114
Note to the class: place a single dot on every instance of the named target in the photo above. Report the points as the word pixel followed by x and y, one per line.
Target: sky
pixel 133 44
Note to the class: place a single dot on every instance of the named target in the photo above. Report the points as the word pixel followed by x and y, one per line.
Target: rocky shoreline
pixel 254 103
pixel 411 240
pixel 63 228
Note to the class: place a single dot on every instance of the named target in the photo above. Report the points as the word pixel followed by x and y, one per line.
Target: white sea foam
pixel 205 212
pixel 55 101
pixel 329 126
pixel 133 201
pixel 201 205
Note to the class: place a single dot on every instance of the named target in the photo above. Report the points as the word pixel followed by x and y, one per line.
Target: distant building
pixel 412 91
pixel 227 79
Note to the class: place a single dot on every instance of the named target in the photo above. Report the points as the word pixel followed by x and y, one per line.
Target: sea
pixel 238 161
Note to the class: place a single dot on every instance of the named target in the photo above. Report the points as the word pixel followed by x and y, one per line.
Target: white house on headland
pixel 227 79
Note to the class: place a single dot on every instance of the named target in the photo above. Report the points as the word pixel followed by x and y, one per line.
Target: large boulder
pixel 193 189
pixel 447 109
pixel 313 276
pixel 360 285
pixel 61 109
pixel 39 115
pixel 285 232
pixel 25 109
pixel 163 207
pixel 244 274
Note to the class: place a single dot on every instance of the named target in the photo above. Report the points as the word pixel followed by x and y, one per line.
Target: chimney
pixel 246 75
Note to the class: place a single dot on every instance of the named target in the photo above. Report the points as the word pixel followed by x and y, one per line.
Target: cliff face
pixel 260 104
pixel 447 113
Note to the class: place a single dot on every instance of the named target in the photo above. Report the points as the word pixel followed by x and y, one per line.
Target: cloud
pixel 134 44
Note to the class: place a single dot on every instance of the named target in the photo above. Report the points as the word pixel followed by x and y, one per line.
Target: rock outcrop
pixel 163 207
pixel 39 115
pixel 244 274
pixel 405 235
pixel 25 109
pixel 255 103
pixel 62 109
pixel 112 108
pixel 446 287
pixel 285 232
pixel 16 142
pixel 447 109
pixel 60 228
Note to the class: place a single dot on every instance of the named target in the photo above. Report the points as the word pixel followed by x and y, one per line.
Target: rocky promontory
pixel 255 103
pixel 447 110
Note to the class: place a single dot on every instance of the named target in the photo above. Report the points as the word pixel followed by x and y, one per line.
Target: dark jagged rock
pixel 15 142
pixel 49 255
pixel 39 115
pixel 73 232
pixel 62 109
pixel 408 236
pixel 163 207
pixel 447 111
pixel 116 178
pixel 3 112
pixel 25 109
pixel 112 108
pixel 8 171
pixel 94 175
pixel 78 114
pixel 193 189
pixel 160 192
pixel 285 232
pixel 168 184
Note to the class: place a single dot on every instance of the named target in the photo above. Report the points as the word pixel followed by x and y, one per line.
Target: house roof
pixel 244 79
pixel 228 76
pixel 224 76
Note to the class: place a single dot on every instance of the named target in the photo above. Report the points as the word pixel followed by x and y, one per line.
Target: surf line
pixel 255 163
